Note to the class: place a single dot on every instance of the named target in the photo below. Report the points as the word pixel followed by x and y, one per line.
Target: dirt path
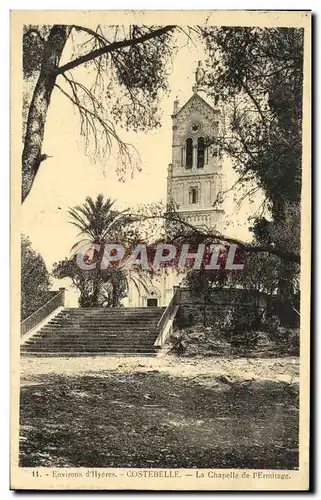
pixel 277 369
pixel 154 419
pixel 159 412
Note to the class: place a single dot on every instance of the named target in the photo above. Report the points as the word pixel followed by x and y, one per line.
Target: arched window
pixel 193 195
pixel 200 152
pixel 189 153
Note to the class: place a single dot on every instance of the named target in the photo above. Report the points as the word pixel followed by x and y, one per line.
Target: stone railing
pixel 167 315
pixel 38 316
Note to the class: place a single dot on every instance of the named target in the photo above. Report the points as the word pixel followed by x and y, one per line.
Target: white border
pixel 4 198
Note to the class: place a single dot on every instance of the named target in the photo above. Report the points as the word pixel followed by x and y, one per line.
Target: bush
pixel 241 338
pixel 286 339
pixel 35 279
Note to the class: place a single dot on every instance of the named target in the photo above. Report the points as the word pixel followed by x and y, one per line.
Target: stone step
pixel 115 324
pixel 139 324
pixel 102 309
pixel 116 321
pixel 101 344
pixel 100 331
pixel 85 313
pixel 93 333
pixel 97 332
pixel 107 316
pixel 89 354
pixel 91 341
pixel 84 348
pixel 109 319
pixel 110 313
pixel 112 321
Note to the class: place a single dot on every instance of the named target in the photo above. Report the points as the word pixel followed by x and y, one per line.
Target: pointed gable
pixel 196 105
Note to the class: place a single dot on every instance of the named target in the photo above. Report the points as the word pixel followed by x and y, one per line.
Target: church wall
pixel 160 286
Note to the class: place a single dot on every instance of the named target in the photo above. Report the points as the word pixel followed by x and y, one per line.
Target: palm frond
pixel 95 218
pixel 78 245
pixel 113 222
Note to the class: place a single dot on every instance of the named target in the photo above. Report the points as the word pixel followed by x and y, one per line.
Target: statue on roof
pixel 199 77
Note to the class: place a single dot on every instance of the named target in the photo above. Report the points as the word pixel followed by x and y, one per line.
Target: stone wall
pixel 221 309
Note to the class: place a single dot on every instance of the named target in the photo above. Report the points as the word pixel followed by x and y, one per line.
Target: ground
pixel 159 412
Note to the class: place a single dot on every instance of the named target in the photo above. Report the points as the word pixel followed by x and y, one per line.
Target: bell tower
pixel 195 174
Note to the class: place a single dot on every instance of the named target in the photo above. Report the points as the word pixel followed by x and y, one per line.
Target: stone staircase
pixel 112 331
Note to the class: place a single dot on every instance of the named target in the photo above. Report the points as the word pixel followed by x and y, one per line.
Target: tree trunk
pixel 97 275
pixel 95 295
pixel 204 312
pixel 31 155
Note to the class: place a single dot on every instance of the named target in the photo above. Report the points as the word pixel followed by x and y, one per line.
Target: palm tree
pixel 98 223
pixel 96 220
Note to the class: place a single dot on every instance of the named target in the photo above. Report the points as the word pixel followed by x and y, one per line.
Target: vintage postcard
pixel 160 250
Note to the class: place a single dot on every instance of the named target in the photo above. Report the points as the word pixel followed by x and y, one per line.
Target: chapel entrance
pixel 152 302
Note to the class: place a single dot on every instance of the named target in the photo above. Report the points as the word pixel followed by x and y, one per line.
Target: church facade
pixel 194 180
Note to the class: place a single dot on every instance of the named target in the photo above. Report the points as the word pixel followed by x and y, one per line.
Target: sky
pixel 65 180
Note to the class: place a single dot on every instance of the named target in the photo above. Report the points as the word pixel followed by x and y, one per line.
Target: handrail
pixel 167 314
pixel 40 314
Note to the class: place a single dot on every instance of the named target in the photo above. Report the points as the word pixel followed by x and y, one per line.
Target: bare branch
pixel 215 235
pixel 95 35
pixel 112 47
pixel 89 118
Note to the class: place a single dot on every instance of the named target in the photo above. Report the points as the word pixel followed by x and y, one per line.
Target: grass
pixel 152 419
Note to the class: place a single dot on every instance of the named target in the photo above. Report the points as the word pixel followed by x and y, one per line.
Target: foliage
pixel 129 79
pixel 111 286
pixel 285 235
pixel 284 337
pixel 99 224
pixel 126 77
pixel 259 279
pixel 270 261
pixel 259 74
pixel 35 282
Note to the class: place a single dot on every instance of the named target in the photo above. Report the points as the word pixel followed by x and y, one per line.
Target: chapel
pixel 194 180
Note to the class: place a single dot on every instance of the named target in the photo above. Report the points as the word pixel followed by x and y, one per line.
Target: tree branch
pixel 112 47
pixel 270 249
pixel 251 96
pixel 93 33
pixel 88 117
